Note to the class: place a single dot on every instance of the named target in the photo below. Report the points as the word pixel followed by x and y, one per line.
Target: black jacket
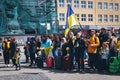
pixel 80 45
pixel 64 51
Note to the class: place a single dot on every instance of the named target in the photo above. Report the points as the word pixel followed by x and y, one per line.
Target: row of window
pixel 104 5
pixel 76 3
pixel 107 5
pixel 90 17
pixel 112 18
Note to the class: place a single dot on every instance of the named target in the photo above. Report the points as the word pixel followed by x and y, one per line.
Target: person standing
pixel 0 46
pixel 17 56
pixel 113 46
pixel 63 46
pixel 46 44
pixel 32 51
pixel 5 52
pixel 104 56
pixel 13 46
pixel 79 51
pixel 119 33
pixel 56 45
pixel 103 36
pixel 71 41
pixel 26 52
pixel 92 44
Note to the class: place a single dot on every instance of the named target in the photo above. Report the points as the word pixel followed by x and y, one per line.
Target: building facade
pixel 92 14
pixel 46 16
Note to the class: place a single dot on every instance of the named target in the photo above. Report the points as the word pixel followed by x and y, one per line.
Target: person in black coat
pixel 56 45
pixel 71 40
pixel 79 51
pixel 13 46
pixel 103 36
pixel 63 47
pixel 26 52
pixel 32 51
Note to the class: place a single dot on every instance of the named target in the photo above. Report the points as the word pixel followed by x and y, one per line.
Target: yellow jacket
pixel 118 45
pixel 16 56
pixel 8 44
pixel 3 45
pixel 93 44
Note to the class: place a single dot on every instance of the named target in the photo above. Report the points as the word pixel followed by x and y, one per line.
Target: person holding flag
pixel 71 20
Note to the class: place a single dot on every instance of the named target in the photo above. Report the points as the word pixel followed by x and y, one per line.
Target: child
pixel 17 58
pixel 104 55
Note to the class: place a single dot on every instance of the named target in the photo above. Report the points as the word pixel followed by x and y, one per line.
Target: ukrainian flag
pixel 71 20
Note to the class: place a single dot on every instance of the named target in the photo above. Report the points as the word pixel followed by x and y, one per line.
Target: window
pixel 99 5
pixel 76 3
pixel 105 5
pixel 69 2
pixel 116 6
pixel 111 18
pixel 61 17
pixel 83 4
pixel 116 18
pixel 90 17
pixel 90 5
pixel 105 18
pixel 83 17
pixel 99 18
pixel 61 3
pixel 111 6
pixel 77 15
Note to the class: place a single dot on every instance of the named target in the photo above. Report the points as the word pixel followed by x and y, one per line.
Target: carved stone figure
pixel 11 11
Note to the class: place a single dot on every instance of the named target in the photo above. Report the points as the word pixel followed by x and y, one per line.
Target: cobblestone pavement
pixel 25 77
pixel 26 73
pixel 9 73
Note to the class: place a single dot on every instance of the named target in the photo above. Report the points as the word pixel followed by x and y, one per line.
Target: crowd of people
pixel 99 46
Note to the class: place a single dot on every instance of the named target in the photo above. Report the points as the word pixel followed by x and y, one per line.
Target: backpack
pixel 98 48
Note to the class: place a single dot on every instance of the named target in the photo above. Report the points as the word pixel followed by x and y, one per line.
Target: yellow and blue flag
pixel 71 20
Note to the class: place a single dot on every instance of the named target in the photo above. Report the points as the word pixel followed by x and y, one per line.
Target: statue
pixel 22 16
pixel 11 11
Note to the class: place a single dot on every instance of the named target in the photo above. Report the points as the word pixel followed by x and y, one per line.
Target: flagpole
pixel 80 26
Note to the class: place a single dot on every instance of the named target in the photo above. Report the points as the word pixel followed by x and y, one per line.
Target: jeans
pixel 72 55
pixel 92 58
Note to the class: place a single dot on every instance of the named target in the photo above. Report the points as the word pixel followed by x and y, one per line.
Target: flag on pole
pixel 71 20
